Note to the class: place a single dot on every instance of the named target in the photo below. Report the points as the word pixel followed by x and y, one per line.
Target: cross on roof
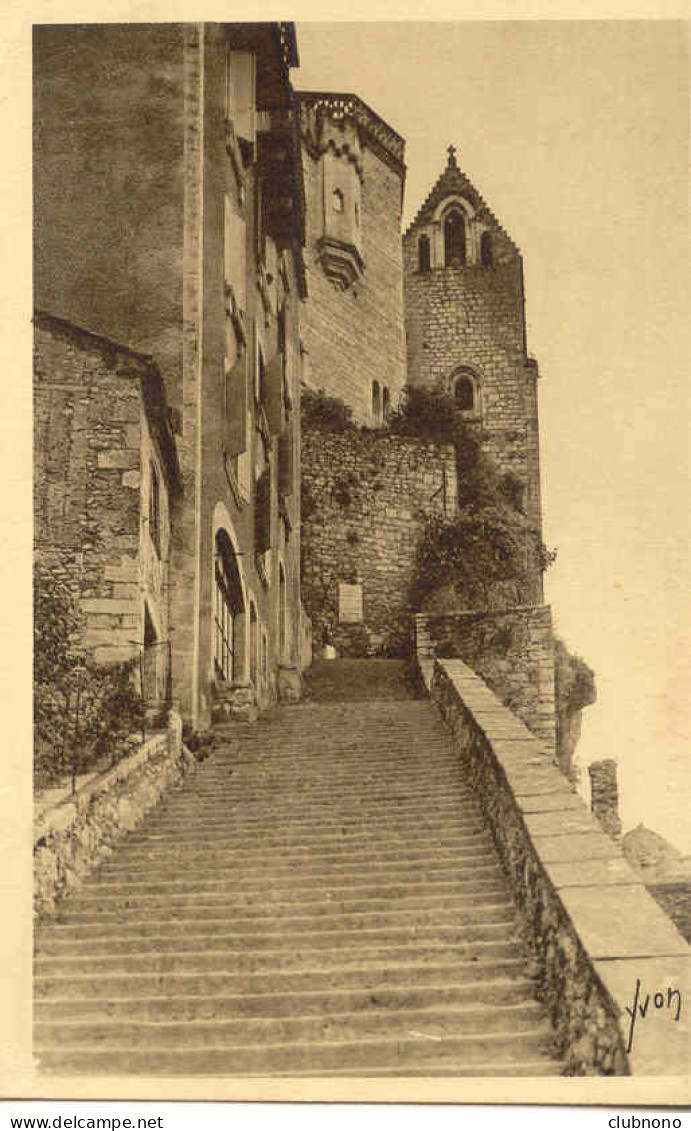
pixel 452 154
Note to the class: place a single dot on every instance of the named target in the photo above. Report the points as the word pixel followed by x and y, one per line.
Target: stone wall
pixel 74 835
pixel 365 497
pixel 595 932
pixel 93 455
pixel 512 651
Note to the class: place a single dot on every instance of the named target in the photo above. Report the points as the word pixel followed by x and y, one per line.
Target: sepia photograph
pixel 360 558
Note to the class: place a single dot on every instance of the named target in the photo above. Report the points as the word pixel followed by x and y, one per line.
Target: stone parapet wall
pixel 74 835
pixel 365 499
pixel 599 940
pixel 513 652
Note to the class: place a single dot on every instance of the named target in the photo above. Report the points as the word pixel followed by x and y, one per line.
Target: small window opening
pixel 454 239
pixel 261 377
pixel 357 214
pixel 254 645
pixel 282 612
pixel 337 200
pixel 155 510
pixel 386 404
pixel 150 637
pixel 464 392
pixel 486 249
pixel 376 400
pixel 423 252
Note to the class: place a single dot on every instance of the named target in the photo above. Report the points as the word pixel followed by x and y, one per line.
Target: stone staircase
pixel 320 898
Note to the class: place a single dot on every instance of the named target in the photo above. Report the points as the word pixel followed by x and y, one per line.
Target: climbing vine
pixel 488 541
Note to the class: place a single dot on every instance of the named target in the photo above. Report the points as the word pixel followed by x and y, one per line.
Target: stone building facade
pixel 465 326
pixel 106 482
pixel 352 324
pixel 177 230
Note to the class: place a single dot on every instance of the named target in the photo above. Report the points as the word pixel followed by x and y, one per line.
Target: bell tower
pixel 465 324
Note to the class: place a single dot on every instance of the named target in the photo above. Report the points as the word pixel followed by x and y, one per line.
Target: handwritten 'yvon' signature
pixel 668 999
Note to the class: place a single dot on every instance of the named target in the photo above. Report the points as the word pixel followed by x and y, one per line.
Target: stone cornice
pixel 381 138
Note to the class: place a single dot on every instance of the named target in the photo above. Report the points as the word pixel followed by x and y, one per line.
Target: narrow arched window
pixel 228 607
pixel 386 404
pixel 464 392
pixel 155 509
pixel 254 645
pixel 454 239
pixel 423 255
pixel 282 612
pixel 337 200
pixel 376 401
pixel 486 249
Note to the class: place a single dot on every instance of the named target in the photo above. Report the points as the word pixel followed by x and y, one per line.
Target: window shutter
pixel 274 394
pixel 241 93
pixel 262 512
pixel 285 462
pixel 236 407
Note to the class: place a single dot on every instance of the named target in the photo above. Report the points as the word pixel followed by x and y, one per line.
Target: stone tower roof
pixel 453 181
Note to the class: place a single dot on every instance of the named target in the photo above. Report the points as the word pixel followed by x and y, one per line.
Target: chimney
pixel 604 795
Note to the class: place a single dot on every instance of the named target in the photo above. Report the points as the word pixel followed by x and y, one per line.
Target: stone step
pixel 485 992
pixel 321 755
pixel 435 1024
pixel 385 887
pixel 334 930
pixel 254 826
pixel 306 760
pixel 368 975
pixel 346 830
pixel 160 954
pixel 219 812
pixel 236 792
pixel 223 879
pixel 325 754
pixel 211 859
pixel 546 1066
pixel 339 938
pixel 79 923
pixel 319 1057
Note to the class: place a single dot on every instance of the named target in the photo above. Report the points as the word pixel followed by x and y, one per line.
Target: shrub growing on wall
pixel 319 410
pixel 83 713
pixel 488 542
pixel 473 551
